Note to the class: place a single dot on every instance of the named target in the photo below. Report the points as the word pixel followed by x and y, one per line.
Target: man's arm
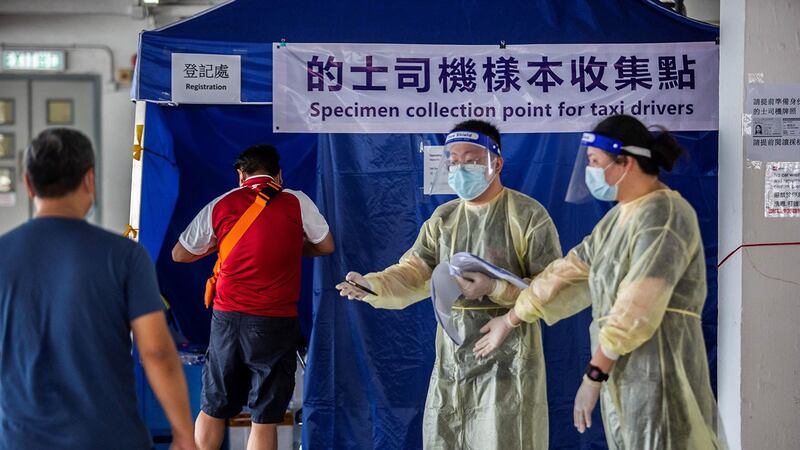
pixel 165 374
pixel 321 248
pixel 181 255
pixel 318 239
pixel 199 239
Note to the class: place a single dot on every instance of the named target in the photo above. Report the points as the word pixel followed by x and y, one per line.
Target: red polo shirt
pixel 261 275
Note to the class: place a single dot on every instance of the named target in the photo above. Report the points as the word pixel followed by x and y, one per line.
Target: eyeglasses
pixel 452 166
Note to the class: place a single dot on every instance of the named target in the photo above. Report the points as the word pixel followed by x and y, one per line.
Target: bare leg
pixel 263 436
pixel 208 432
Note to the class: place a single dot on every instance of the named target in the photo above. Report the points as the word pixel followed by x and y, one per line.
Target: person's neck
pixel 494 189
pixel 638 185
pixel 247 177
pixel 68 207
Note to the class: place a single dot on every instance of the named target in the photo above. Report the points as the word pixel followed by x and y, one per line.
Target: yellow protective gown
pixel 498 402
pixel 643 272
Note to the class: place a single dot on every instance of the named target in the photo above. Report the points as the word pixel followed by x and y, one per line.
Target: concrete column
pixel 759 288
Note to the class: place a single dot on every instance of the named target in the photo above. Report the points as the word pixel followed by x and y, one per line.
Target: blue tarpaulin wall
pixel 368 369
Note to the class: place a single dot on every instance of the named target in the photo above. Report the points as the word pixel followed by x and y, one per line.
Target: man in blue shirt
pixel 70 296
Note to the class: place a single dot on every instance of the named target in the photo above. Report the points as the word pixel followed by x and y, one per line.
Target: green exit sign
pixel 34 60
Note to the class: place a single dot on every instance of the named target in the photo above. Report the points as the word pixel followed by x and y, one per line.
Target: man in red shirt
pixel 254 327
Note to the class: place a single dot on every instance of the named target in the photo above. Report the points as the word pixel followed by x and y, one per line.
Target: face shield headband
pixel 473 137
pixel 612 145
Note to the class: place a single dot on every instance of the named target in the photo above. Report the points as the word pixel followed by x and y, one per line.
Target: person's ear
pixel 28 186
pixel 499 164
pixel 242 176
pixel 88 181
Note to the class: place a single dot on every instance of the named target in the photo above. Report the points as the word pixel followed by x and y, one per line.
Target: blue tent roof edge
pixel 249 27
pixel 188 27
pixel 192 17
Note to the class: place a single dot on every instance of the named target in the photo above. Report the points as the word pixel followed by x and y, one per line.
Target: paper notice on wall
pixel 434 181
pixel 772 122
pixel 782 189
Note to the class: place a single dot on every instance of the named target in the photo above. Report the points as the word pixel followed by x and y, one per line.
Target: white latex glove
pixel 348 290
pixel 585 401
pixel 496 331
pixel 475 284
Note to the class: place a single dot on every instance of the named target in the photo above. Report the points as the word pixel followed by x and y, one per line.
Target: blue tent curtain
pixel 365 359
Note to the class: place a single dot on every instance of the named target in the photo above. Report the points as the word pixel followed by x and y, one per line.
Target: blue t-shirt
pixel 68 293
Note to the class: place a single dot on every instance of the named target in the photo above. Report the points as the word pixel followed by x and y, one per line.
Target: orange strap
pixel 239 228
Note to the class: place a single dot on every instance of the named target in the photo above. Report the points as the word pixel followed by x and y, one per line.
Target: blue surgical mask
pixel 598 186
pixel 469 181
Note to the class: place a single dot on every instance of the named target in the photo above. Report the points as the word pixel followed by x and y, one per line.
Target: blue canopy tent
pixel 368 369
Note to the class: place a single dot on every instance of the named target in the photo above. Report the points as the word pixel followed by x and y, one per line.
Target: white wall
pixel 121 34
pixel 759 300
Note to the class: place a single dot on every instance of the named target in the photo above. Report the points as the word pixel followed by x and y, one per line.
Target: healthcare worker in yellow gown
pixel 498 402
pixel 643 272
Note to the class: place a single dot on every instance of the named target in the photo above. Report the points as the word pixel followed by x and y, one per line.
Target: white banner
pixel 385 88
pixel 204 78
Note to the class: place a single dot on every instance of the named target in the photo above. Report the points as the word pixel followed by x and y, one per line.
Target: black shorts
pixel 250 361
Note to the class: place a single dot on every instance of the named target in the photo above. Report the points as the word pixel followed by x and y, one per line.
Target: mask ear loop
pixel 621 178
pixel 623 175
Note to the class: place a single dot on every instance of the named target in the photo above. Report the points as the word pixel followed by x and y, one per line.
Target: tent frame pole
pixel 136 172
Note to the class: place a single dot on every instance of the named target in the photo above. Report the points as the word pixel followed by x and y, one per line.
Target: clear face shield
pixel 578 191
pixel 469 164
pixel 596 154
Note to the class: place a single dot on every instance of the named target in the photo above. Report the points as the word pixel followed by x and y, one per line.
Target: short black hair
pixel 57 160
pixel 259 159
pixel 479 126
pixel 665 150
